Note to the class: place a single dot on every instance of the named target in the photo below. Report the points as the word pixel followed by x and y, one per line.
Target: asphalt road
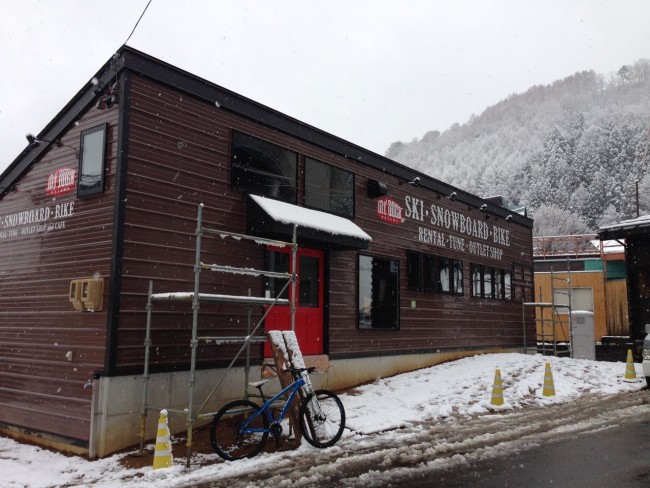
pixel 615 457
pixel 593 442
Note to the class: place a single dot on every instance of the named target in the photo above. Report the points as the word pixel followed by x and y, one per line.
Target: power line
pixel 136 24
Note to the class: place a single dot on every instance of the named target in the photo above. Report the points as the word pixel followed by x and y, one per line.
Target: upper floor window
pixel 92 161
pixel 329 188
pixel 262 168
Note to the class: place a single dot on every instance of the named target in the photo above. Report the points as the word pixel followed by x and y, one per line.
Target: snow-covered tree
pixel 577 144
pixel 610 216
pixel 551 220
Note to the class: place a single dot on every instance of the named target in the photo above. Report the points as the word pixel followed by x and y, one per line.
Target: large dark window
pixel 329 188
pixel 430 273
pixel 414 271
pixel 262 168
pixel 92 161
pixel 378 293
pixel 427 272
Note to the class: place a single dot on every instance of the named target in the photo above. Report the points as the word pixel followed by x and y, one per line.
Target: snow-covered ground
pixel 460 389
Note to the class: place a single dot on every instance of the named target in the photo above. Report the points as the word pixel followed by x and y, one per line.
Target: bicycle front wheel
pixel 239 430
pixel 322 418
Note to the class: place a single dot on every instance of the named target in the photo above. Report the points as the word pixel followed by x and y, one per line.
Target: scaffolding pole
pixel 192 414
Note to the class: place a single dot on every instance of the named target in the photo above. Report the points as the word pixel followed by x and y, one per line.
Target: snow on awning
pixel 275 220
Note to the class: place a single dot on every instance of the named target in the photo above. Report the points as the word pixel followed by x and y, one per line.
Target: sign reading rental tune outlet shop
pixel 441 227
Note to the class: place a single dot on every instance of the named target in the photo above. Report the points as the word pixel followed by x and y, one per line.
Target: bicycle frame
pixel 293 387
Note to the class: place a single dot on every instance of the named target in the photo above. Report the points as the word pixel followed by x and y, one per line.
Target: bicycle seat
pixel 257 384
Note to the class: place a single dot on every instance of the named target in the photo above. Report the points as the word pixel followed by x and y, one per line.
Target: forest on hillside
pixel 573 152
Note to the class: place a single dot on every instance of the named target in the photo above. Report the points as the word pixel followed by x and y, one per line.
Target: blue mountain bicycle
pixel 240 429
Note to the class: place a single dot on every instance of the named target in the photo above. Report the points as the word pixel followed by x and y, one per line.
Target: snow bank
pixel 460 389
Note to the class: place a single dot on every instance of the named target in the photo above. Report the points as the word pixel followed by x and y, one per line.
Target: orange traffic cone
pixel 162 457
pixel 497 390
pixel 549 388
pixel 630 372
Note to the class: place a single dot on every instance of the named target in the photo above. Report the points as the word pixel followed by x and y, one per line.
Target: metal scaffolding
pixel 192 413
pixel 549 325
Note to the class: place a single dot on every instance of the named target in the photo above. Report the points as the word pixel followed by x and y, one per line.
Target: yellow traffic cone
pixel 497 390
pixel 630 372
pixel 162 457
pixel 549 388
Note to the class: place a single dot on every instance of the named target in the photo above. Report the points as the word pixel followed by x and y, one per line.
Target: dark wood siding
pixel 638 275
pixel 40 387
pixel 438 321
pixel 179 156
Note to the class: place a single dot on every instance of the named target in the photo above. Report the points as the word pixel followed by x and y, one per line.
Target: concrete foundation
pixel 117 401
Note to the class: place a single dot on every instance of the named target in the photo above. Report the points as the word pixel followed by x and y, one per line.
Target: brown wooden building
pixel 634 235
pixel 397 270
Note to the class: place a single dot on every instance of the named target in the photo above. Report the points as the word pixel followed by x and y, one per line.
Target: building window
pixel 378 293
pixel 498 283
pixel 308 287
pixel 430 273
pixel 488 290
pixel 489 282
pixel 507 285
pixel 329 188
pixel 262 168
pixel 457 267
pixel 444 275
pixel 427 272
pixel 477 280
pixel 278 262
pixel 414 271
pixel 92 161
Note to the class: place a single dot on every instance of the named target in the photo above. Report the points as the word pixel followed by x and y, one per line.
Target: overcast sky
pixel 369 71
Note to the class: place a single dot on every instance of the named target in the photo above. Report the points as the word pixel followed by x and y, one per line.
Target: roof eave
pixel 66 117
pixel 153 68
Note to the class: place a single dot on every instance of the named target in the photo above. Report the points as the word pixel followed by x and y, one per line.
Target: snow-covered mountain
pixel 577 146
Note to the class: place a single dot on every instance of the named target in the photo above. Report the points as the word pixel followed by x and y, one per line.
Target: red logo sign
pixel 390 211
pixel 61 181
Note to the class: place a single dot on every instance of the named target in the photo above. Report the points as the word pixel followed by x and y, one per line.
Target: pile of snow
pixel 460 389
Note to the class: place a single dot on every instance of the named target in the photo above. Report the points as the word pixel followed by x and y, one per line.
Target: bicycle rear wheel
pixel 234 435
pixel 322 418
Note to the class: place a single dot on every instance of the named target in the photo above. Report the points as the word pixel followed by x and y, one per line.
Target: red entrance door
pixel 309 298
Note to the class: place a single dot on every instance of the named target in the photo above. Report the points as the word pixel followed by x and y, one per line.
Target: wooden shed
pixel 587 273
pixel 396 269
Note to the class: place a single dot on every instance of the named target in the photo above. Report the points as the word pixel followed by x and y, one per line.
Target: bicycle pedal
pixel 275 429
